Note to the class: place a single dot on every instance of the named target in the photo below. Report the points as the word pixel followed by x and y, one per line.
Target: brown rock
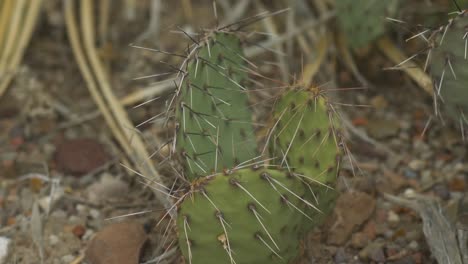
pixel 370 229
pixel 9 107
pixel 80 156
pixel 120 243
pixel 383 128
pixel 374 252
pixel 396 181
pixel 7 168
pixel 78 231
pixel 457 184
pixel 359 240
pixel 351 211
pixel 418 257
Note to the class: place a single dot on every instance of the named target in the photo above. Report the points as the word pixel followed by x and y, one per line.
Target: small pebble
pixel 409 193
pixel 414 233
pixel 410 174
pixel 405 125
pixel 73 219
pixel 79 231
pixel 88 234
pixel 426 177
pixel 442 191
pixel 359 240
pixel 413 245
pixel 94 213
pixel 81 208
pixel 373 251
pixel 393 217
pixel 417 164
pixel 389 233
pixel 418 258
pixel 68 259
pixel 53 240
pixel 59 214
pixel 341 257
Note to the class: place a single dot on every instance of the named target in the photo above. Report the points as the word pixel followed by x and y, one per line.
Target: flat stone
pixel 351 211
pixel 117 243
pixel 80 156
pixel 107 188
pixel 383 128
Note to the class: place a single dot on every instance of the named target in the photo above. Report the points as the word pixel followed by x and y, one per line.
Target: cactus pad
pixel 215 129
pixel 306 136
pixel 449 66
pixel 246 216
pixel 363 20
pixel 306 141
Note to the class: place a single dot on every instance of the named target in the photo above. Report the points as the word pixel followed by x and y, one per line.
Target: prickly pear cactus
pixel 245 216
pixel 215 129
pixel 363 20
pixel 306 141
pixel 449 66
pixel 231 212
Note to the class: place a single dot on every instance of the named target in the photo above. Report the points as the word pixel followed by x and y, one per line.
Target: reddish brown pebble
pixel 16 141
pixel 360 121
pixel 381 216
pixel 7 168
pixel 457 185
pixel 117 243
pixel 418 257
pixel 79 231
pixel 370 230
pixel 80 156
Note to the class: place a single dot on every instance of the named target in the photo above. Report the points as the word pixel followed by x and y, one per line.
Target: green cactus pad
pixel 306 136
pixel 215 128
pixel 240 214
pixel 306 141
pixel 363 20
pixel 449 66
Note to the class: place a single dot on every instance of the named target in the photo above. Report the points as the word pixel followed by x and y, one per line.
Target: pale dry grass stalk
pixel 100 88
pixel 17 21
